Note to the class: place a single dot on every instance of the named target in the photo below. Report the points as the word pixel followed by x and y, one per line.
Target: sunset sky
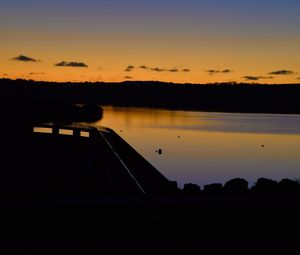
pixel 195 41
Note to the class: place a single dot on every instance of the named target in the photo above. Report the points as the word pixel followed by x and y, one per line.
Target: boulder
pixel 266 185
pixel 287 185
pixel 236 185
pixel 213 188
pixel 191 189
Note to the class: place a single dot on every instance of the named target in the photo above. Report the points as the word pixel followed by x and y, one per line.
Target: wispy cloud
pixel 282 72
pixel 157 69
pixel 256 78
pixel 144 67
pixel 212 71
pixel 71 64
pixel 24 58
pixel 41 73
pixel 129 68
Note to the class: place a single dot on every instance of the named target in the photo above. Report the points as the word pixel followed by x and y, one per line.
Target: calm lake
pixel 203 147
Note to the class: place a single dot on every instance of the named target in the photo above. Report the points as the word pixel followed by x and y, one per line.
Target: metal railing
pixel 75 129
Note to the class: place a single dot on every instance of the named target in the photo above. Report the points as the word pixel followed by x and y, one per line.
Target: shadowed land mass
pixel 97 188
pixel 227 97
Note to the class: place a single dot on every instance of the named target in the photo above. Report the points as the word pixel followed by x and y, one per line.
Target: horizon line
pixel 150 81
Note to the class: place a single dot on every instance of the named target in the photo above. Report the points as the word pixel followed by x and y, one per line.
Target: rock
pixel 236 185
pixel 191 189
pixel 266 185
pixel 288 185
pixel 173 187
pixel 213 188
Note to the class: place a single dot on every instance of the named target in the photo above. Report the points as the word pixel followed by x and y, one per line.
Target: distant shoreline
pixel 200 110
pixel 225 97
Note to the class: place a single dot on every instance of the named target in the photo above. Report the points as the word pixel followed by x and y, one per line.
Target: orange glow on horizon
pixel 108 61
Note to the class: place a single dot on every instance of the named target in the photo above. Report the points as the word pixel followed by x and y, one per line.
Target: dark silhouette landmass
pixel 62 193
pixel 223 97
pixel 46 111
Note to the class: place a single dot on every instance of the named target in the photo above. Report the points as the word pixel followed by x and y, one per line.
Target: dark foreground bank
pixel 68 189
pixel 147 227
pixel 220 97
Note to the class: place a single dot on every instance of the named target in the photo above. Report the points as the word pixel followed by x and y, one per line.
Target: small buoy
pixel 262 145
pixel 160 151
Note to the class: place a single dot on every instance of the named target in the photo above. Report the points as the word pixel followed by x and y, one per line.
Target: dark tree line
pixel 224 97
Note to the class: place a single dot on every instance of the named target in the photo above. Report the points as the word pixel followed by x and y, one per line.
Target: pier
pixel 55 161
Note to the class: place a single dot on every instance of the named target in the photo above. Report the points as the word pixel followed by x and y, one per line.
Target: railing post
pixel 76 132
pixel 55 130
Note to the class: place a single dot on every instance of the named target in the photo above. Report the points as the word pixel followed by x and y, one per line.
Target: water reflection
pixel 202 147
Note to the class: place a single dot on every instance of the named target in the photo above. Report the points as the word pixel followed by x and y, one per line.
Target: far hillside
pixel 221 97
